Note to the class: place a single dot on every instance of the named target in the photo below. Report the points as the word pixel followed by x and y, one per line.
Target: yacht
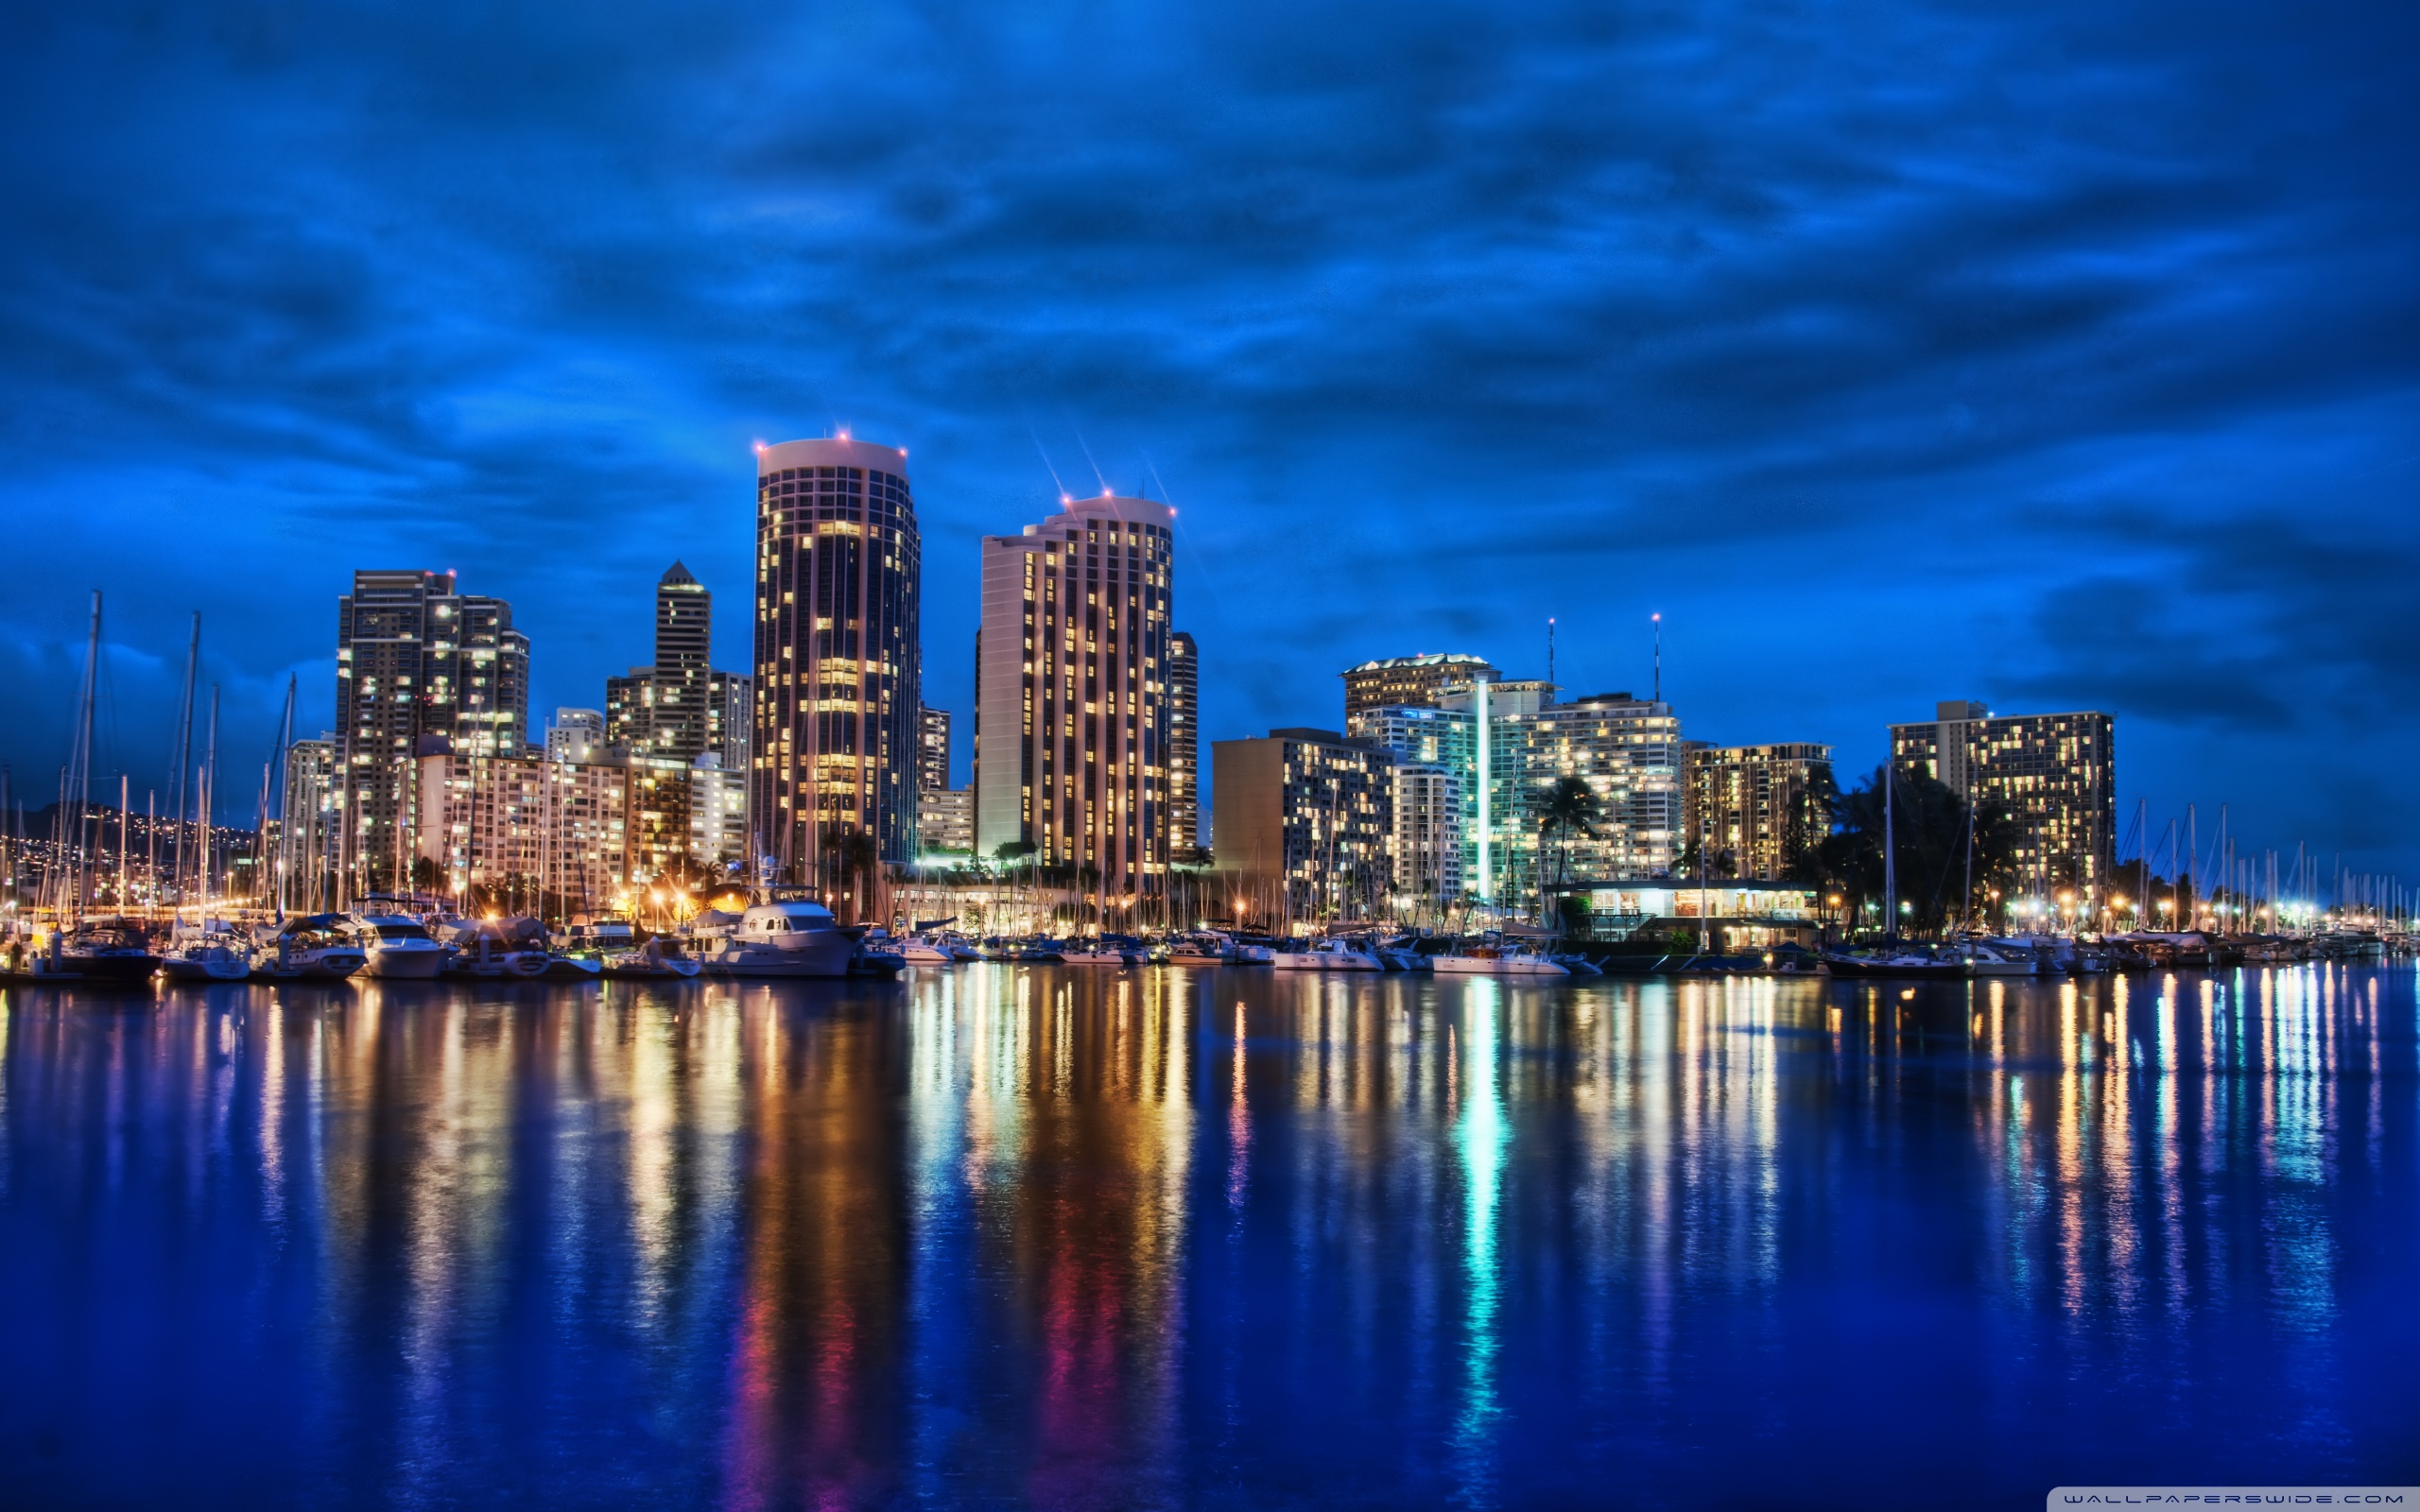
pixel 1499 957
pixel 661 959
pixel 1327 956
pixel 397 946
pixel 499 950
pixel 1898 963
pixel 1107 950
pixel 210 954
pixel 311 947
pixel 784 939
pixel 2000 958
pixel 107 950
pixel 1194 950
pixel 609 934
pixel 918 950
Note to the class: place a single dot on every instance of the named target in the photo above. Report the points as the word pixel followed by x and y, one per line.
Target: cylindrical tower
pixel 838 664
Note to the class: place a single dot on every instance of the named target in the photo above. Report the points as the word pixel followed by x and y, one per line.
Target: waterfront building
pixel 1627 749
pixel 1733 913
pixel 932 752
pixel 1433 750
pixel 2055 773
pixel 946 824
pixel 577 735
pixel 1073 701
pixel 535 829
pixel 1416 682
pixel 1184 744
pixel 1305 821
pixel 1756 811
pixel 415 660
pixel 1427 844
pixel 838 664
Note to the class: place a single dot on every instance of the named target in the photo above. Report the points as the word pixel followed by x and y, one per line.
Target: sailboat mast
pixel 1889 856
pixel 82 776
pixel 208 796
pixel 184 749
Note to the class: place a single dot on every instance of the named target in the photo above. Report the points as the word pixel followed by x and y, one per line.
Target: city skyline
pixel 1879 396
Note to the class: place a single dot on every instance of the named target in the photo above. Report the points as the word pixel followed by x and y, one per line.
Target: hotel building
pixel 838 667
pixel 415 658
pixel 1759 811
pixel 1305 820
pixel 1416 682
pixel 2055 773
pixel 1073 696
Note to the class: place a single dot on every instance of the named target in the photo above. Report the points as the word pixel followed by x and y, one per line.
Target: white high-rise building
pixel 1074 694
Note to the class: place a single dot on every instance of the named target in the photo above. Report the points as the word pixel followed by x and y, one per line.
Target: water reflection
pixel 1019 1236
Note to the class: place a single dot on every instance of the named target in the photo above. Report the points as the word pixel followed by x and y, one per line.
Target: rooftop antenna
pixel 1549 648
pixel 1659 657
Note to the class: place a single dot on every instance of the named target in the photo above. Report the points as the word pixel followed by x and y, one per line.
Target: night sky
pixel 2055 355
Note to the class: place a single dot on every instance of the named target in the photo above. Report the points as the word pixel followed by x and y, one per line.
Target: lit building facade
pixel 558 829
pixel 947 825
pixel 1417 681
pixel 1628 750
pixel 577 735
pixel 1073 701
pixel 416 659
pixel 1185 744
pixel 932 752
pixel 308 827
pixel 838 668
pixel 1428 844
pixel 1305 820
pixel 2057 774
pixel 718 810
pixel 1759 811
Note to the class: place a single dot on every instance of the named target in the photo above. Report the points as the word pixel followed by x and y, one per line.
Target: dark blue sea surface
pixel 1076 1237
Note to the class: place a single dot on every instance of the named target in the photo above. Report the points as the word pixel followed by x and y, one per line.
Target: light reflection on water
pixel 1065 1237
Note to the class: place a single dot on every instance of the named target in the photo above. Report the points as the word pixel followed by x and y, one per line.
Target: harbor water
pixel 996 1236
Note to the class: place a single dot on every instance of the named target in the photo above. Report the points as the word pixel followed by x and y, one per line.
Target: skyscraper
pixel 1185 744
pixel 416 659
pixel 667 709
pixel 932 749
pixel 1073 696
pixel 839 666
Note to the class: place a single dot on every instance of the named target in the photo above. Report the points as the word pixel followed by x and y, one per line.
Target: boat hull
pixel 123 967
pixel 1313 961
pixel 1470 966
pixel 1843 966
pixel 818 961
pixel 177 968
pixel 404 966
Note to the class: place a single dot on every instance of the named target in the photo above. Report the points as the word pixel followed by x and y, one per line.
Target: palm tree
pixel 1570 805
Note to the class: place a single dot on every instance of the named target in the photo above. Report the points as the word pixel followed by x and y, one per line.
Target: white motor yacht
pixel 918 950
pixel 1498 959
pixel 1327 956
pixel 1107 950
pixel 314 948
pixel 397 946
pixel 1999 958
pixel 793 937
